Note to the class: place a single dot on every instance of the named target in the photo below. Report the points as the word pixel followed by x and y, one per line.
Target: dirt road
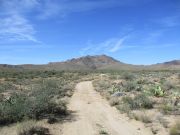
pixel 93 116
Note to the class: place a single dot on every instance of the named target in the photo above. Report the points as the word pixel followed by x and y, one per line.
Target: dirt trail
pixel 94 114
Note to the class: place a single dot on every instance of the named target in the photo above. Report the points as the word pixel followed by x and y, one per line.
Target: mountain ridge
pixel 96 62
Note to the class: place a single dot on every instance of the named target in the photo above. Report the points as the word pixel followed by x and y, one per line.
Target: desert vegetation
pixel 35 95
pixel 151 97
pixel 31 97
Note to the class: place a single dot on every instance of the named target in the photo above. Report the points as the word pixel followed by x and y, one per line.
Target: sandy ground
pixel 93 114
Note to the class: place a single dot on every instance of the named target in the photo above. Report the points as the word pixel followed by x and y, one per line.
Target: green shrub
pixel 13 109
pixel 39 104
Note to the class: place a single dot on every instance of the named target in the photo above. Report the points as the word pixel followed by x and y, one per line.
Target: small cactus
pixel 158 92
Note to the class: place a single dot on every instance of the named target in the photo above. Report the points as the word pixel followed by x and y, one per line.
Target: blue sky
pixel 132 31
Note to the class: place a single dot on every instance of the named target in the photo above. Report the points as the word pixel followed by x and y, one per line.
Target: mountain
pixel 170 65
pixel 174 62
pixel 9 67
pixel 87 62
pixel 97 62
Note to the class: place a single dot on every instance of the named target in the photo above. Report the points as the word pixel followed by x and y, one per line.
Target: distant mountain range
pixel 97 62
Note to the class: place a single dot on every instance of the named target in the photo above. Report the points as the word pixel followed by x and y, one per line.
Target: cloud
pixel 14 24
pixel 16 28
pixel 117 44
pixel 14 14
pixel 111 45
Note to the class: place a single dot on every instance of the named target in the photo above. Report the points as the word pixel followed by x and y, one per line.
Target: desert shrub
pixel 6 86
pixel 142 117
pixel 129 101
pixel 179 76
pixel 139 88
pixel 52 120
pixel 31 128
pixel 146 119
pixel 114 101
pixel 129 86
pixel 139 101
pixel 124 108
pixel 13 109
pixel 42 108
pixel 142 81
pixel 166 108
pixel 143 101
pixel 114 88
pixel 41 103
pixel 175 129
pixel 103 132
pixel 128 76
pixel 102 85
pixel 168 86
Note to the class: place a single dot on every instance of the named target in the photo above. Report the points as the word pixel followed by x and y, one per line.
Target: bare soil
pixel 93 116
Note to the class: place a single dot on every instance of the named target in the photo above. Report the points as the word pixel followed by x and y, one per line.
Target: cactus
pixel 158 92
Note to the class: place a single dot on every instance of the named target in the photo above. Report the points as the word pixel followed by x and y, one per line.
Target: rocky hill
pixel 97 62
pixel 89 62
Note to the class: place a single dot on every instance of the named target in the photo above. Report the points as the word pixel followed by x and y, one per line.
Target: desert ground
pixel 90 103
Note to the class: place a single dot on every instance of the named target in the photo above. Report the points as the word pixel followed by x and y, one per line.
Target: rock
pixel 118 94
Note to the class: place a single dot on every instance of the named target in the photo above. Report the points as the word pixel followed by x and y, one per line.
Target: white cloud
pixel 111 45
pixel 14 24
pixel 117 44
pixel 14 14
pixel 15 28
